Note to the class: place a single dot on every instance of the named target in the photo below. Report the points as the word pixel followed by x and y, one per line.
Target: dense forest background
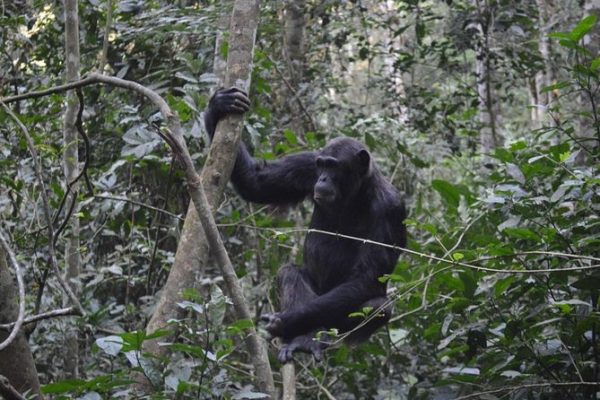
pixel 483 113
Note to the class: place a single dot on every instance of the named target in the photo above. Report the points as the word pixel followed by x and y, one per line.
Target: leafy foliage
pixel 477 307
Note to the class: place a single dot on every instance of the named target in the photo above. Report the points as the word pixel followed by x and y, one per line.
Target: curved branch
pixel 528 386
pixel 47 315
pixel 8 391
pixel 21 317
pixel 196 189
pixel 46 207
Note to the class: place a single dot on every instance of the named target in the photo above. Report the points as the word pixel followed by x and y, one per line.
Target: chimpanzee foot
pixel 303 344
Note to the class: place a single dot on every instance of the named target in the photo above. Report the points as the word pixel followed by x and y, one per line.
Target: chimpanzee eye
pixel 327 162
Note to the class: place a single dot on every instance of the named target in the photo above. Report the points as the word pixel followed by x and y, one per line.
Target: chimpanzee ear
pixel 364 160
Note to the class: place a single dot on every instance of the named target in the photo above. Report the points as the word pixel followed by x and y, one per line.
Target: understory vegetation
pixel 483 113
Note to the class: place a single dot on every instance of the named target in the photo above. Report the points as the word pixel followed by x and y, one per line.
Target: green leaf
pixel 502 285
pixel 290 137
pixel 63 386
pixel 556 86
pixel 470 283
pixel 583 28
pixel 370 141
pixel 448 192
pixel 458 256
pixel 521 233
pixel 560 35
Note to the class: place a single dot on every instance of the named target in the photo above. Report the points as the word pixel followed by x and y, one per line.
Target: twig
pixel 319 384
pixel 21 284
pixel 8 391
pixel 280 231
pixel 46 206
pixel 46 92
pixel 47 315
pixel 137 203
pixel 295 93
pixel 195 187
pixel 107 28
pixel 528 386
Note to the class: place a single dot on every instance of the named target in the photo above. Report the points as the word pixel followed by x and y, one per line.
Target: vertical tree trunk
pixel 294 22
pixel 489 137
pixel 16 361
pixel 192 250
pixel 545 76
pixel 294 38
pixel 591 98
pixel 535 114
pixel 71 169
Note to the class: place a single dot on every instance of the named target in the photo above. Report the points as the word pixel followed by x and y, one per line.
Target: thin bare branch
pixel 279 231
pixel 21 285
pixel 7 391
pixel 46 208
pixel 61 312
pixel 528 386
pixel 137 203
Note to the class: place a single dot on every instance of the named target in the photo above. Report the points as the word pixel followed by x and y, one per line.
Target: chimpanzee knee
pixel 379 315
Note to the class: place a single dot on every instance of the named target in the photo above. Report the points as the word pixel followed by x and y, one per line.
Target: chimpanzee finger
pixel 241 103
pixel 242 97
pixel 285 355
pixel 235 109
pixel 317 354
pixel 234 89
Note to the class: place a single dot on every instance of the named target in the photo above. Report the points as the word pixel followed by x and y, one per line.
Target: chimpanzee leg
pixel 294 290
pixel 293 287
pixel 378 317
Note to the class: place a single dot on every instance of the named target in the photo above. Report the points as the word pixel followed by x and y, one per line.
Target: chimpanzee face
pixel 341 167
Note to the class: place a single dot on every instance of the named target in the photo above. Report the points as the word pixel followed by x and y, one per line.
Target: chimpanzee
pixel 351 197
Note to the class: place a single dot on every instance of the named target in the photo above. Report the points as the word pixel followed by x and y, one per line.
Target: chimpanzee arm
pixel 287 180
pixel 332 308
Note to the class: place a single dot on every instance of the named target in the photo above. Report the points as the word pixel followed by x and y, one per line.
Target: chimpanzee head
pixel 342 165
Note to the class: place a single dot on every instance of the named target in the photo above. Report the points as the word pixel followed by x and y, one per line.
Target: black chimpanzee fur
pixel 351 197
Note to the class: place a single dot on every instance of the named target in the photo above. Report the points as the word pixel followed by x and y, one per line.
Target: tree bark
pixel 71 170
pixel 489 137
pixel 591 98
pixel 545 76
pixel 293 48
pixel 16 361
pixel 193 251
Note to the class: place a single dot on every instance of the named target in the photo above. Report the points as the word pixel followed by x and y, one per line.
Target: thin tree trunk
pixel 192 255
pixel 294 24
pixel 71 169
pixel 16 361
pixel 535 114
pixel 489 137
pixel 293 46
pixel 215 175
pixel 590 98
pixel 545 76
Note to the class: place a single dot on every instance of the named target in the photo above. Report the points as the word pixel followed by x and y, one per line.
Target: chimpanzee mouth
pixel 323 199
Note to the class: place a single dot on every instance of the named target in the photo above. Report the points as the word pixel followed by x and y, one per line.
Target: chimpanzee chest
pixel 330 260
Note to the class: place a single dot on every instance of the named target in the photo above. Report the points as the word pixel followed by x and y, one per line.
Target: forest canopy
pixel 129 268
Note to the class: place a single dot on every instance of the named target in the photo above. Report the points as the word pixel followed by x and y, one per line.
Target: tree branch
pixel 196 189
pixel 529 386
pixel 61 312
pixel 13 260
pixel 46 207
pixel 8 391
